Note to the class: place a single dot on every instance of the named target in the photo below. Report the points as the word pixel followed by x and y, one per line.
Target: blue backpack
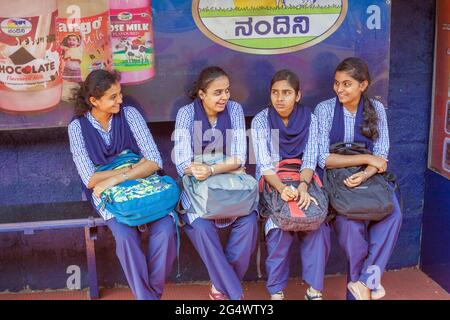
pixel 140 201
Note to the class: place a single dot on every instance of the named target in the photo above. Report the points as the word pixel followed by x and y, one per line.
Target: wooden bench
pixel 58 216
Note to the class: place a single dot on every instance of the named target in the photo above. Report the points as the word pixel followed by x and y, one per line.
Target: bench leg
pixel 90 234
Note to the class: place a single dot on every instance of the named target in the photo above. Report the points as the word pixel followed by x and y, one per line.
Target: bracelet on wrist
pixel 366 175
pixel 305 182
pixel 212 170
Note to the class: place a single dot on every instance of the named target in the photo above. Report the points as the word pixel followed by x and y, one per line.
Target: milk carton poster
pixel 250 40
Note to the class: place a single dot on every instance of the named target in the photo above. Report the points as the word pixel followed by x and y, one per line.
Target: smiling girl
pixel 214 112
pixel 104 127
pixel 354 117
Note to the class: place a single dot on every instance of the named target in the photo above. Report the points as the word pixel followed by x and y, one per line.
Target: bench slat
pixel 51 224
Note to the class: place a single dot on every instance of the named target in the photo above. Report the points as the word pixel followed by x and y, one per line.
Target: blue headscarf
pixel 294 136
pixel 223 124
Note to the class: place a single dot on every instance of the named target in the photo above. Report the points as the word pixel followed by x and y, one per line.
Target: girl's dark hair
pixel 358 70
pixel 205 77
pixel 289 76
pixel 95 85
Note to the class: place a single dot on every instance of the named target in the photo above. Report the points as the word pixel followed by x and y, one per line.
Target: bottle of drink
pixel 30 78
pixel 83 33
pixel 132 40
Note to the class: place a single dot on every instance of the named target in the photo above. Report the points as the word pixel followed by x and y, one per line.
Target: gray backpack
pixel 287 215
pixel 222 196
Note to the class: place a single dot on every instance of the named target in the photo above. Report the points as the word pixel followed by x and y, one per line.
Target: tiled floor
pixel 406 284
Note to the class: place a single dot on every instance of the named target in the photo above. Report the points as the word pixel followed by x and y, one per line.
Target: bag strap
pixel 179 209
pixel 350 148
pixel 288 162
pixel 282 165
pixel 102 204
pixel 295 211
pixel 392 178
pixel 316 179
pixel 325 180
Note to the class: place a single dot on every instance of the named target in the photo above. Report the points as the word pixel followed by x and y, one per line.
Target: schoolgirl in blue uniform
pixel 297 129
pixel 216 113
pixel 102 129
pixel 352 116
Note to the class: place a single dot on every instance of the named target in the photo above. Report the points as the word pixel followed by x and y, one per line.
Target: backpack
pixel 372 200
pixel 139 201
pixel 221 196
pixel 287 215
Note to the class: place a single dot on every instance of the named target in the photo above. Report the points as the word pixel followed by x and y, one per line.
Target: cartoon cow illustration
pixel 134 50
pixel 122 45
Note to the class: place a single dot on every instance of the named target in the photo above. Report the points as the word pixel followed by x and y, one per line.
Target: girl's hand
pixel 201 171
pixel 378 162
pixel 104 185
pixel 305 200
pixel 289 193
pixel 356 179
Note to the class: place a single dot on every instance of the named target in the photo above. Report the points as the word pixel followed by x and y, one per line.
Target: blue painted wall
pixel 411 72
pixel 36 168
pixel 435 251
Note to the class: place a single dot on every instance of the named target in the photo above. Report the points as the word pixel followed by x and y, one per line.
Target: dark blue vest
pixel 223 124
pixel 337 131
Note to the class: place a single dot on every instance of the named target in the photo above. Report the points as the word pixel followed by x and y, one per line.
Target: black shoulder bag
pixel 371 200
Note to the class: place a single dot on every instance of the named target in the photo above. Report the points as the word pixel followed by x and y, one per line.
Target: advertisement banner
pixel 169 44
pixel 439 153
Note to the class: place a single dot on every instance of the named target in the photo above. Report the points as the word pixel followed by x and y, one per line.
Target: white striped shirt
pixel 325 113
pixel 184 145
pixel 267 154
pixel 83 162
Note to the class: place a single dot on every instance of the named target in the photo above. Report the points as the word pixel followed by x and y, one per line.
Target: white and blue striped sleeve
pixel 239 142
pixel 83 162
pixel 324 121
pixel 142 135
pixel 309 159
pixel 182 153
pixel 381 145
pixel 260 141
